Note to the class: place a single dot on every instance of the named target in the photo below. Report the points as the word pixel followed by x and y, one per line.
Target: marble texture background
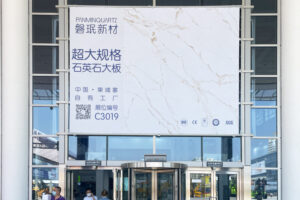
pixel 180 70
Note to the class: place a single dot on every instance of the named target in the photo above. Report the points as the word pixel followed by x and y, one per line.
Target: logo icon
pixel 184 122
pixel 216 122
pixel 204 122
pixel 229 122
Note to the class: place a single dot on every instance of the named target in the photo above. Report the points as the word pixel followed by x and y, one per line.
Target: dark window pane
pixel 45 120
pixel 44 5
pixel 45 150
pixel 221 2
pixel 264 60
pixel 264 6
pixel 43 178
pixel 129 148
pixel 226 149
pixel 130 2
pixel 264 91
pixel 263 122
pixel 197 2
pixel 264 153
pixel 177 2
pixel 45 90
pixel 45 59
pixel 264 30
pixel 87 2
pixel 87 147
pixel 264 182
pixel 45 28
pixel 179 148
pixel 111 2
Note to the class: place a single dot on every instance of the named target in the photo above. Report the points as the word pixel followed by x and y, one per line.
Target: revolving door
pixel 153 181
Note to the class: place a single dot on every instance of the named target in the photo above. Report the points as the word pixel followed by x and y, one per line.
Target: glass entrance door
pixel 226 186
pixel 200 186
pixel 142 185
pixel 79 181
pixel 154 185
pixel 212 185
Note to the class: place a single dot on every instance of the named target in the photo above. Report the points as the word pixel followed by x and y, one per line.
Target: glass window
pixel 226 149
pixel 264 184
pixel 129 148
pixel 264 30
pixel 111 2
pixel 45 90
pixel 263 153
pixel 264 91
pixel 43 178
pixel 44 59
pixel 264 6
pixel 220 2
pixel 87 2
pixel 45 150
pixel 87 147
pixel 200 186
pixel 45 120
pixel 264 60
pixel 177 2
pixel 44 28
pixel 264 122
pixel 196 2
pixel 130 2
pixel 179 148
pixel 44 5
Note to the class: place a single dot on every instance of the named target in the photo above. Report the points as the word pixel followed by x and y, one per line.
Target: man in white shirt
pixel 90 195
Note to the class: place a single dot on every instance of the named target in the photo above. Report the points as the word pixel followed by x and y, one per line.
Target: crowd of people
pixel 56 194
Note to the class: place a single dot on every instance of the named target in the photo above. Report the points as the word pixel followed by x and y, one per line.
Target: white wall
pixel 290 99
pixel 15 94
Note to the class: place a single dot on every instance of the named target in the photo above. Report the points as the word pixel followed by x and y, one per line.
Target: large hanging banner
pixel 154 70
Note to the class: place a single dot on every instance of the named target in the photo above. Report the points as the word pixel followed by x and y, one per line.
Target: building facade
pixel 38 152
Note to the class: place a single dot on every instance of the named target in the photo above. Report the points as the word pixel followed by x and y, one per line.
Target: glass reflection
pixel 264 184
pixel 143 184
pixel 200 187
pixel 87 148
pixel 264 91
pixel 45 90
pixel 226 149
pixel 44 28
pixel 45 151
pixel 179 148
pixel 43 178
pixel 227 186
pixel 263 153
pixel 264 30
pixel 129 147
pixel 45 120
pixel 264 122
pixel 165 186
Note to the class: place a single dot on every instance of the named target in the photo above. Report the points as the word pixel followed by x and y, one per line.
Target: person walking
pixel 104 195
pixel 56 194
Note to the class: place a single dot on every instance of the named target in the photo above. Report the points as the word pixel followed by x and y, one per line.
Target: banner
pixel 154 70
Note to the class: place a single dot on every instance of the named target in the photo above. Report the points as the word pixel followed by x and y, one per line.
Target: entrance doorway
pixel 95 180
pixel 154 185
pixel 154 181
pixel 212 185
